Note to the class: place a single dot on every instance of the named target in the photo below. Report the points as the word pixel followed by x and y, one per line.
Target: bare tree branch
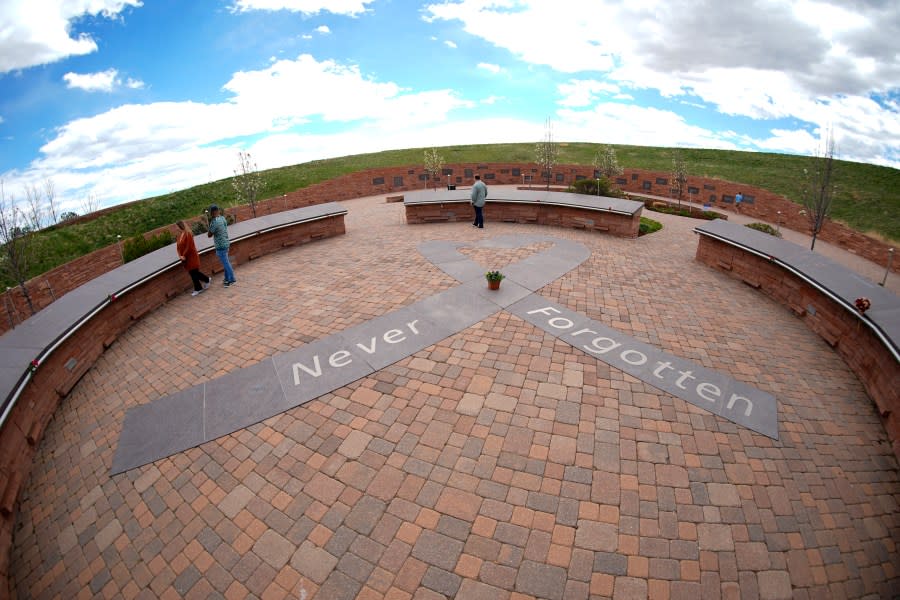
pixel 90 204
pixel 16 237
pixel 34 206
pixel 819 186
pixel 50 197
pixel 678 181
pixel 547 152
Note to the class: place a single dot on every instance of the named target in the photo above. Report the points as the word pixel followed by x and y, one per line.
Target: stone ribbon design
pixel 239 399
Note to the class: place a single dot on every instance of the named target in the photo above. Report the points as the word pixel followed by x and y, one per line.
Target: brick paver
pixel 498 463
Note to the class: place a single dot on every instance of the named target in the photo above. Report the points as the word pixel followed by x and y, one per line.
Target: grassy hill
pixel 867 199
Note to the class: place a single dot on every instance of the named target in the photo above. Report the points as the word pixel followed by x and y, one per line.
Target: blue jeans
pixel 223 258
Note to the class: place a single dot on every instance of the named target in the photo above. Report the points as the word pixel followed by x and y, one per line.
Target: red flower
pixel 112 297
pixel 863 304
pixel 34 365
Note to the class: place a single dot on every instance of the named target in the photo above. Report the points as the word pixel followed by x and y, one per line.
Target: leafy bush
pixel 765 228
pixel 589 186
pixel 648 226
pixel 138 246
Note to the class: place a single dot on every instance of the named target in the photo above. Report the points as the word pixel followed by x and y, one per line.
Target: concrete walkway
pixel 500 462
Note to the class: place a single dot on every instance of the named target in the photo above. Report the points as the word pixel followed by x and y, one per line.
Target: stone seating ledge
pixel 553 198
pixel 40 335
pixel 614 216
pixel 823 294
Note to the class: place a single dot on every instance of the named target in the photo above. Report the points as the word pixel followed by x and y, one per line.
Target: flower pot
pixel 493 284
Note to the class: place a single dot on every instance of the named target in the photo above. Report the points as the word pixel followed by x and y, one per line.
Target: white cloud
pixel 491 100
pixel 537 31
pixel 323 29
pixel 616 123
pixel 151 148
pixel 102 81
pixel 306 36
pixel 489 67
pixel 2 119
pixel 450 43
pixel 307 7
pixel 37 33
pixel 816 61
pixel 582 92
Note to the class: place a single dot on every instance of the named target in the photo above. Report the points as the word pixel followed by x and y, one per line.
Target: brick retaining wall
pixel 716 192
pixel 860 348
pixel 541 214
pixel 57 375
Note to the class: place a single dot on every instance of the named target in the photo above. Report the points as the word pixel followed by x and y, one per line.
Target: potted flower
pixel 494 278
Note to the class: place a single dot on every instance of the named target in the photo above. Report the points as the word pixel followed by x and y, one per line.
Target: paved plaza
pixel 500 462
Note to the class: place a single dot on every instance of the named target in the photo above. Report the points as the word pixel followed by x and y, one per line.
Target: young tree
pixel 547 152
pixel 247 181
pixel 34 207
pixel 90 204
pixel 16 237
pixel 607 164
pixel 434 163
pixel 50 197
pixel 819 187
pixel 678 178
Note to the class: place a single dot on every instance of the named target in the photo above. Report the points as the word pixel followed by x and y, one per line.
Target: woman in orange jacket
pixel 190 259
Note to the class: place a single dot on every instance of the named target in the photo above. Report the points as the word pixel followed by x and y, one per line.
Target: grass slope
pixel 868 196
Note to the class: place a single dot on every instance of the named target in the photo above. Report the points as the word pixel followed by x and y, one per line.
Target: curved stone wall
pixel 765 205
pixel 87 334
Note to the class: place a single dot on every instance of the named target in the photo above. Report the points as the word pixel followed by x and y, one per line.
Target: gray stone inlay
pixel 159 429
pixel 287 380
pixel 250 395
pixel 823 272
pixel 36 335
pixel 706 388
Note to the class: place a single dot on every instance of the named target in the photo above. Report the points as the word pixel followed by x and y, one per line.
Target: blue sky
pixel 123 99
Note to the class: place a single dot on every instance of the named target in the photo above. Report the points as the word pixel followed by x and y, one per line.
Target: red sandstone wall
pixel 861 349
pixel 541 214
pixel 398 179
pixel 22 432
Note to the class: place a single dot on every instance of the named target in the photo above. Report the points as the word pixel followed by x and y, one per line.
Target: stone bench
pixel 561 209
pixel 66 338
pixel 823 294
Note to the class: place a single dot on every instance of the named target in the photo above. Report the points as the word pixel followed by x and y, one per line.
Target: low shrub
pixel 707 215
pixel 648 226
pixel 138 246
pixel 590 186
pixel 765 228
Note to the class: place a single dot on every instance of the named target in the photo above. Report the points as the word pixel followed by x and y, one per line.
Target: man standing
pixel 479 196
pixel 218 230
pixel 737 201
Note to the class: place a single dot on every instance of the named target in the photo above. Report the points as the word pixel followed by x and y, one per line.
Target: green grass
pixel 649 226
pixel 868 197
